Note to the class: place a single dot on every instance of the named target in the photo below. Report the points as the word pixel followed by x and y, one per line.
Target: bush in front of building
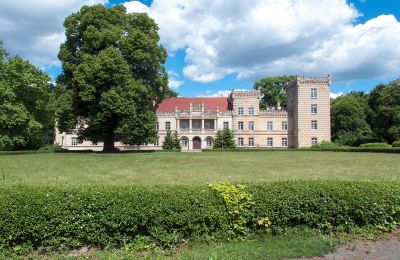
pixel 375 145
pixel 224 139
pixel 66 217
pixel 396 144
pixel 171 141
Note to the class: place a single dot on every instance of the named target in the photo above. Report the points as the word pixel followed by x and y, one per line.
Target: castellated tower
pixel 309 104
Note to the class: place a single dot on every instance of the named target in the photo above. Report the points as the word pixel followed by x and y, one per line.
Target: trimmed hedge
pixel 328 149
pixel 396 144
pixel 110 216
pixel 375 145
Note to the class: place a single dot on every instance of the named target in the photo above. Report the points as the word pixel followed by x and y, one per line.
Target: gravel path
pixel 387 249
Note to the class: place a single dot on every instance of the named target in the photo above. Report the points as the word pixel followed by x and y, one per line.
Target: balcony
pixel 183 131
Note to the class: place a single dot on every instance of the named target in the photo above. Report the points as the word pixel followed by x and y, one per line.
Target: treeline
pixel 27 104
pixel 360 117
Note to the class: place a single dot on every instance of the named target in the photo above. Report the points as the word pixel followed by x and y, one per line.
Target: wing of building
pixel 305 122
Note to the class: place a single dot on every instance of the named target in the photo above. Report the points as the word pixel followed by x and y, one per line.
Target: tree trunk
pixel 109 145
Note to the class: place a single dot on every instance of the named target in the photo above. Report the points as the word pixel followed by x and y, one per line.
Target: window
pixel 196 124
pixel 270 126
pixel 284 142
pixel 251 125
pixel 251 141
pixel 314 140
pixel 157 143
pixel 209 142
pixel 314 93
pixel 74 141
pixel 208 125
pixel 184 124
pixel 167 126
pixel 240 141
pixel 314 125
pixel 226 125
pixel 284 125
pixel 251 111
pixel 184 142
pixel 240 111
pixel 313 108
pixel 157 126
pixel 240 125
pixel 270 142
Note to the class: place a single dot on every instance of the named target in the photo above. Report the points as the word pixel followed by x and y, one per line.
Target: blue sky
pixel 218 45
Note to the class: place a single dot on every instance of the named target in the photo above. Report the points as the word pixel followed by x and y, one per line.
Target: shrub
pixel 396 144
pixel 69 217
pixel 51 148
pixel 325 144
pixel 375 145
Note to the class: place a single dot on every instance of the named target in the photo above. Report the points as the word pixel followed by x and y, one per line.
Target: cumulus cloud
pixel 173 81
pixel 34 30
pixel 257 38
pixel 336 95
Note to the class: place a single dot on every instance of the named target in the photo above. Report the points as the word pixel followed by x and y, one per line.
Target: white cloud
pixel 173 81
pixel 257 38
pixel 219 93
pixel 33 29
pixel 336 95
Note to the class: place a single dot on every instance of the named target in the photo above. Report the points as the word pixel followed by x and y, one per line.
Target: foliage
pixel 171 141
pixel 224 139
pixel 238 204
pixel 26 104
pixel 385 102
pixel 273 91
pixel 112 73
pixel 349 119
pixel 396 144
pixel 325 144
pixel 372 145
pixel 52 148
pixel 65 217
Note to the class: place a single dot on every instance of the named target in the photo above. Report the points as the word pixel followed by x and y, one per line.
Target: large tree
pixel 385 102
pixel 349 115
pixel 273 91
pixel 26 104
pixel 113 76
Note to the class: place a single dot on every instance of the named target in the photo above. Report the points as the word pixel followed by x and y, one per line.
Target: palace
pixel 305 122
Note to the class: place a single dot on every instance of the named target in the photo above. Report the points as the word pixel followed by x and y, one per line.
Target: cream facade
pixel 305 122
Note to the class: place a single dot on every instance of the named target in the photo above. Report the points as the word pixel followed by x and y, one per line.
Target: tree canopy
pixel 349 119
pixel 26 104
pixel 224 139
pixel 273 91
pixel 113 76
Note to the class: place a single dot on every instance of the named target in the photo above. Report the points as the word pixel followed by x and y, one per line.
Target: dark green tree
pixel 384 100
pixel 224 139
pixel 27 104
pixel 349 119
pixel 273 91
pixel 113 76
pixel 171 141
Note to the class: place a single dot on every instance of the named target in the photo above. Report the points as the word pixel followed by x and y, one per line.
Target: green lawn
pixel 278 247
pixel 194 168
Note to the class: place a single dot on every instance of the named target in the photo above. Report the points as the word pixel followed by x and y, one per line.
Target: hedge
pixel 327 149
pixel 111 216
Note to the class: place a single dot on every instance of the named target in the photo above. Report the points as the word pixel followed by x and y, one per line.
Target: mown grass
pixel 279 247
pixel 194 168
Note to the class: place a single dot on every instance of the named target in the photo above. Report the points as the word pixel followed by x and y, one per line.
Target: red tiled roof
pixel 180 103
